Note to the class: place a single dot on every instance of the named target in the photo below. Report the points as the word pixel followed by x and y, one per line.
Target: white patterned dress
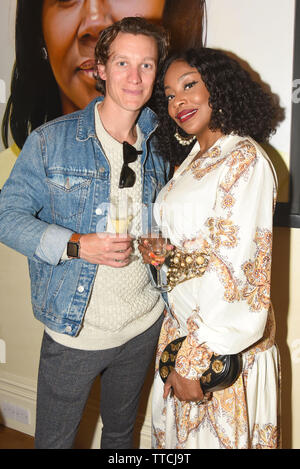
pixel 222 203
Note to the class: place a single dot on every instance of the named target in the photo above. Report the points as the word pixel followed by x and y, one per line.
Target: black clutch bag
pixel 222 372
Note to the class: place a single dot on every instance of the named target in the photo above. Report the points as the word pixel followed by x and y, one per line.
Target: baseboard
pixel 19 393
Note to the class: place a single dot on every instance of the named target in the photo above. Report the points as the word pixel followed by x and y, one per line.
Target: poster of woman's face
pixel 54 52
pixel 71 29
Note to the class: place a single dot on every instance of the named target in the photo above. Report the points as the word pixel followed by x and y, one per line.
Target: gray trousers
pixel 66 376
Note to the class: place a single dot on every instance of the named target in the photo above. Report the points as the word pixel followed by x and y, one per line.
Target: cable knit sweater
pixel 123 303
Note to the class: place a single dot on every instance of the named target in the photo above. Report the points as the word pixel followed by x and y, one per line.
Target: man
pixel 100 312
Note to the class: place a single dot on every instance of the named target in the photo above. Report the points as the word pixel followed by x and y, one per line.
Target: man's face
pixel 130 71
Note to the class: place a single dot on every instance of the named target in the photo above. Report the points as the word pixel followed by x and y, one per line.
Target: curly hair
pixel 239 104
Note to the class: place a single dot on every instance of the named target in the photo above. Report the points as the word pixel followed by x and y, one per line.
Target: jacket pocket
pixel 68 195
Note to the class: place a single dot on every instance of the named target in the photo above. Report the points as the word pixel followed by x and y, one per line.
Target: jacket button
pixel 68 329
pixel 80 289
pixel 98 211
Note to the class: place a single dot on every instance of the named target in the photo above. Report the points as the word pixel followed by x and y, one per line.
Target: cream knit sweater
pixel 122 304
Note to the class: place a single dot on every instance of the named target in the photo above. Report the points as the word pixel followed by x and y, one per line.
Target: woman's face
pixel 71 29
pixel 187 98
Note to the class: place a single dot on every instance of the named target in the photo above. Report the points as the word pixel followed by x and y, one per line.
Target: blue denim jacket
pixel 60 185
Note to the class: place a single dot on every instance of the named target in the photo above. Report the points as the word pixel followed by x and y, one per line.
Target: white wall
pixel 261 32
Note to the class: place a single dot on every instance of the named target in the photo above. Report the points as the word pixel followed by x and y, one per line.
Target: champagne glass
pixel 158 243
pixel 121 214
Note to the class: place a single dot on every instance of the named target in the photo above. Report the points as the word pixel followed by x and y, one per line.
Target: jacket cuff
pixel 192 359
pixel 53 244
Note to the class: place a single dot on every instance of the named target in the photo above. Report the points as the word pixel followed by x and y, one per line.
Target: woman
pixel 218 207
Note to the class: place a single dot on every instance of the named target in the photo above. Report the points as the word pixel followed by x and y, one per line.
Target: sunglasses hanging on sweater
pixel 128 176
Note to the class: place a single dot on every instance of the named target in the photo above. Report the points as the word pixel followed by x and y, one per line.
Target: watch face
pixel 72 250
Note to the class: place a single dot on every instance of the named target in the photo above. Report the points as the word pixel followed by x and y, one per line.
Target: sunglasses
pixel 128 176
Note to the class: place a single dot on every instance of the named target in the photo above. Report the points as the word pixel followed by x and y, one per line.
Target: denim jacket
pixel 60 184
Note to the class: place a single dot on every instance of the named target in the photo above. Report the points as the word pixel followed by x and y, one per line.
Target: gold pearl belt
pixel 185 266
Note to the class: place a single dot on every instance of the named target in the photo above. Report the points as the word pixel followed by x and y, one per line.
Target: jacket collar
pixel 147 121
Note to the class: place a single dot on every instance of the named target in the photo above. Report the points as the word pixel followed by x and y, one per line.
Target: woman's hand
pixel 146 248
pixel 184 389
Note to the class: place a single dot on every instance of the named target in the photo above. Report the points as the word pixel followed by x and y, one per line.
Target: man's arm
pixel 24 195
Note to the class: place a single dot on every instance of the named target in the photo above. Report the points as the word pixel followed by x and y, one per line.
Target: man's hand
pixel 184 389
pixel 106 248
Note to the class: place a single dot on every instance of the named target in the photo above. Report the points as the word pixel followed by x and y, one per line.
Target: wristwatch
pixel 73 246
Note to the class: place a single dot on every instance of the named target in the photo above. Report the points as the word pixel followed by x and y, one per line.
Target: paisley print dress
pixel 222 203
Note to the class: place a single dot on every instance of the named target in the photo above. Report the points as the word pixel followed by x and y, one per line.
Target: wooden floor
pixel 11 439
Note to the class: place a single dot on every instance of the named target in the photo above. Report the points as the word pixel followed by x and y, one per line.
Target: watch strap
pixel 73 245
